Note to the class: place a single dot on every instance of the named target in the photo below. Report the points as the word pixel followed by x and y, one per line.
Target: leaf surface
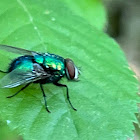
pixel 92 10
pixel 105 96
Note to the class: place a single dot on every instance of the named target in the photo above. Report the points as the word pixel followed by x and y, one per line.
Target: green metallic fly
pixel 34 67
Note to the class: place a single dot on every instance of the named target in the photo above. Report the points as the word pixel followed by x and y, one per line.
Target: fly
pixel 41 68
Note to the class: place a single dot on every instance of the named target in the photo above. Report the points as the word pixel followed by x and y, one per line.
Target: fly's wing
pixel 19 77
pixel 17 50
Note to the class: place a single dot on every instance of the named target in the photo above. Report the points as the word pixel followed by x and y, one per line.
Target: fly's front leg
pixel 68 98
pixel 44 98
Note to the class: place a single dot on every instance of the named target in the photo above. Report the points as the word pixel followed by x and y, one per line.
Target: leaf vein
pixel 31 19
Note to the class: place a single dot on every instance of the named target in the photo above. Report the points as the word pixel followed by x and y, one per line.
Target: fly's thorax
pixel 55 63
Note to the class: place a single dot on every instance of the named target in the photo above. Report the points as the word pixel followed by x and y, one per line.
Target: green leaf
pixel 92 10
pixel 105 96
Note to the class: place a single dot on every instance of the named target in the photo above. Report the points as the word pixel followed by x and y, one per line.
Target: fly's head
pixel 72 72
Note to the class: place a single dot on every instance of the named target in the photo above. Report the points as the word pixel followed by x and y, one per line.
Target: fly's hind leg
pixel 4 71
pixel 19 91
pixel 44 95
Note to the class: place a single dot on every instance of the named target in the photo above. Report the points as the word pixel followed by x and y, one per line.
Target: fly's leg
pixel 68 98
pixel 4 71
pixel 18 91
pixel 44 98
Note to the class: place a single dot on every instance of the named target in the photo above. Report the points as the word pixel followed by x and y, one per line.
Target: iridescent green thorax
pixel 51 61
pixel 55 63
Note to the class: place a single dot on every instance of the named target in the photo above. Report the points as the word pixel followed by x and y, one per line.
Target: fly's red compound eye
pixel 71 70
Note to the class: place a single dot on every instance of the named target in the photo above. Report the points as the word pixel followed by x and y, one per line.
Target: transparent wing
pixel 18 77
pixel 17 50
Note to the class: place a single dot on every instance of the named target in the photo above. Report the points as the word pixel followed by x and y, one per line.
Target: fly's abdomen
pixel 23 62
